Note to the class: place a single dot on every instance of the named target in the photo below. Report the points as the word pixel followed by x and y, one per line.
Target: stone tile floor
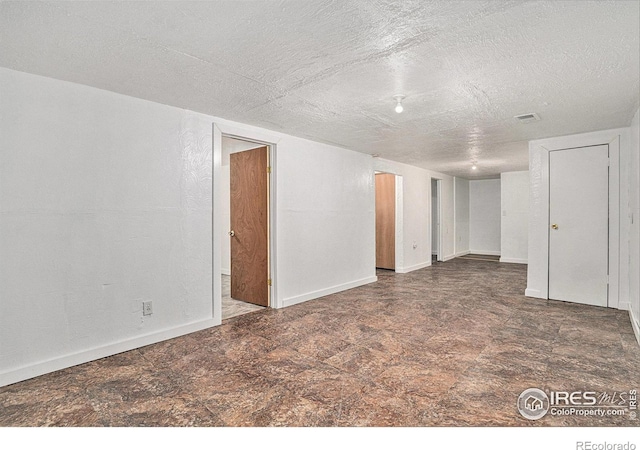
pixel 231 307
pixel 449 345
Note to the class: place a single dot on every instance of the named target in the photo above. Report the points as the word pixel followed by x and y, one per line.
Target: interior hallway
pixel 452 344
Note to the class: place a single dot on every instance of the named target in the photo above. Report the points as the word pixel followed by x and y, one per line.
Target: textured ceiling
pixel 328 70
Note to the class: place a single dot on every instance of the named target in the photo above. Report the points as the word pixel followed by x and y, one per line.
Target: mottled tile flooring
pixel 449 345
pixel 231 307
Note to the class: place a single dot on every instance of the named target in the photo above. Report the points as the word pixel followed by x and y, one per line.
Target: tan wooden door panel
pixel 385 221
pixel 249 225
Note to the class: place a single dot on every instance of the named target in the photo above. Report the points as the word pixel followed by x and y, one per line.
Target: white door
pixel 579 225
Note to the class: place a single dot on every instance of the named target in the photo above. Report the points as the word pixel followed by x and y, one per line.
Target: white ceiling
pixel 328 70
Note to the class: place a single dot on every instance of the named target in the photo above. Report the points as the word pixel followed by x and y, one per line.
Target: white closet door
pixel 579 225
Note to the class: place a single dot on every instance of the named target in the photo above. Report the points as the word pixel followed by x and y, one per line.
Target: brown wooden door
pixel 249 225
pixel 385 221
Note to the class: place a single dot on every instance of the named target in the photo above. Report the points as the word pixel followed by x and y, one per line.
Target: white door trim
pixel 537 271
pixel 218 225
pixel 439 252
pixel 219 228
pixel 399 255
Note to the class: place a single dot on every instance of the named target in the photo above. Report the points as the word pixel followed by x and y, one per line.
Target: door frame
pixel 220 230
pixel 399 254
pixel 538 267
pixel 439 254
pixel 550 231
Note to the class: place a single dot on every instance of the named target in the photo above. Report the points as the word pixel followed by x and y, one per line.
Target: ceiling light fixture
pixel 474 167
pixel 398 98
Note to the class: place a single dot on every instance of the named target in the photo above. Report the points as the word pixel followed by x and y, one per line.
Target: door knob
pixel 232 233
pixel 554 226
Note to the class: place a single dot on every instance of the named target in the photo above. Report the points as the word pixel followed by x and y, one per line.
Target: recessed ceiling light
pixel 474 167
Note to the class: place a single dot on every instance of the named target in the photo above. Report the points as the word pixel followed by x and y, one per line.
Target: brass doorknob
pixel 554 226
pixel 232 233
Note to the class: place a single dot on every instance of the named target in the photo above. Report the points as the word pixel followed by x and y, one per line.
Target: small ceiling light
pixel 398 98
pixel 474 167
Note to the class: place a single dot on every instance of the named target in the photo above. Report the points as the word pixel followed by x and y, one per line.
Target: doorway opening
pixel 386 205
pixel 436 234
pixel 245 261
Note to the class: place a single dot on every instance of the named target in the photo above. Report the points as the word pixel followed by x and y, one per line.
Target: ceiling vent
pixel 526 118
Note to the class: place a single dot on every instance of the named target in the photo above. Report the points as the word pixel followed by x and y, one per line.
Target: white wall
pixel 326 220
pixel 416 216
pixel 461 216
pixel 633 218
pixel 105 202
pixel 514 224
pixel 484 217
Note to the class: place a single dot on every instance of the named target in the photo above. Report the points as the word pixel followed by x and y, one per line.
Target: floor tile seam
pixel 213 415
pixel 151 362
pixel 93 399
pixel 364 378
pixel 317 362
pixel 179 380
pixel 474 363
pixel 350 375
pixel 300 394
pixel 202 402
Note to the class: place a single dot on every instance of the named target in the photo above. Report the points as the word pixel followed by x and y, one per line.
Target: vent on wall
pixel 526 118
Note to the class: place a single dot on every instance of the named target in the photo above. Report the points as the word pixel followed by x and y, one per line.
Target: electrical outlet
pixel 147 308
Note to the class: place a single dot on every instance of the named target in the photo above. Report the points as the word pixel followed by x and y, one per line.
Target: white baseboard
pixel 37 369
pixel 414 267
pixel 623 306
pixel 466 252
pixel 534 293
pixel 225 271
pixel 485 252
pixel 635 325
pixel 328 291
pixel 448 257
pixel 514 260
